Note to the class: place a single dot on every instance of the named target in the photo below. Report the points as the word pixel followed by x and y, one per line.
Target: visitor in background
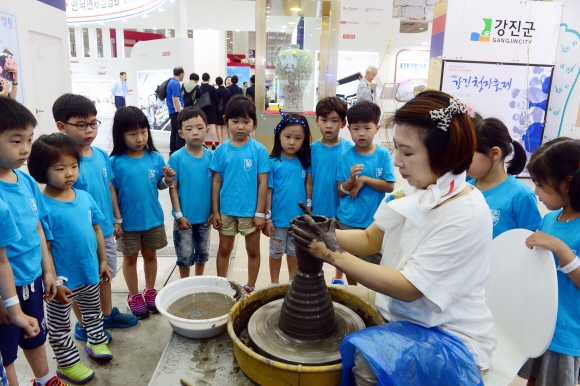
pixel 366 90
pixel 188 90
pixel 234 88
pixel 174 101
pixel 228 81
pixel 224 96
pixel 251 91
pixel 120 90
pixel 211 109
pixel 245 89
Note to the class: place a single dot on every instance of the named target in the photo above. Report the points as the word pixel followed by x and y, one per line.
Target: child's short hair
pixel 449 151
pixel 188 113
pixel 47 150
pixel 72 105
pixel 329 104
pixel 554 162
pixel 240 106
pixel 14 116
pixel 364 112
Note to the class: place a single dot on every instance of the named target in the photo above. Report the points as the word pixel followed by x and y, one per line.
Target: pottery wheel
pixel 269 341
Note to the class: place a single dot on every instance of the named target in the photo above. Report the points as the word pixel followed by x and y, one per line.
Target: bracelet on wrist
pixel 343 190
pixel 15 83
pixel 309 202
pixel 571 266
pixel 261 215
pixel 118 221
pixel 11 301
pixel 165 183
pixel 178 215
pixel 268 221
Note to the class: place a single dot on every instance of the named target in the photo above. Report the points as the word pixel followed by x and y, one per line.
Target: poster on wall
pixel 154 109
pixel 10 52
pixel 514 93
pixel 411 70
pixel 507 31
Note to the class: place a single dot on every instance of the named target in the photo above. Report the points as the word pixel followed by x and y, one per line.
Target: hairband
pixel 286 120
pixel 444 115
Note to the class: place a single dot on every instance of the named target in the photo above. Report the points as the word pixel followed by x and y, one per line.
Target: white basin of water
pixel 202 328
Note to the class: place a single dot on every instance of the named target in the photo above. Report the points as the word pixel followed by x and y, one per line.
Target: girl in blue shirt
pixel 289 160
pixel 77 246
pixel 140 172
pixel 512 203
pixel 555 169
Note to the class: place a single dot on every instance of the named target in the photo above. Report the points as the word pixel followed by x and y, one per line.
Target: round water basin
pixel 197 328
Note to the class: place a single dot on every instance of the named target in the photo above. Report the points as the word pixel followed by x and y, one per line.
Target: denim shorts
pixel 281 243
pixel 191 245
pixel 11 336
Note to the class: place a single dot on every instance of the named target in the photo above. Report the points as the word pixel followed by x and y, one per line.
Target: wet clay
pixel 200 306
pixel 307 312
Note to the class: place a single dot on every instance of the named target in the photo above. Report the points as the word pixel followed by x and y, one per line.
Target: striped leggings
pixel 58 319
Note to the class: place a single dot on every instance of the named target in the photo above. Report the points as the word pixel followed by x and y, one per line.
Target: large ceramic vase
pixel 294 65
pixel 307 312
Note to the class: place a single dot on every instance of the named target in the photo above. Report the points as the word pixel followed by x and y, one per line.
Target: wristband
pixel 118 221
pixel 258 214
pixel 60 280
pixel 269 215
pixel 268 221
pixel 344 191
pixel 571 266
pixel 309 202
pixel 165 183
pixel 178 215
pixel 11 301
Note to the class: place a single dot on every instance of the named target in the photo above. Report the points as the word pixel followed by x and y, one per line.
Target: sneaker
pixel 119 320
pixel 54 381
pixel 337 281
pixel 99 351
pixel 150 294
pixel 248 288
pixel 78 373
pixel 136 304
pixel 81 333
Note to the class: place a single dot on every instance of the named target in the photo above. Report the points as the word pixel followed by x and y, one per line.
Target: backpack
pixel 188 97
pixel 161 90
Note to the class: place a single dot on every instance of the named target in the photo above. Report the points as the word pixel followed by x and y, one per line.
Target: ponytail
pixel 491 132
pixel 518 162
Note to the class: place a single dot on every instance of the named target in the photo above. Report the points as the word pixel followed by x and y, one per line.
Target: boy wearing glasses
pixel 76 116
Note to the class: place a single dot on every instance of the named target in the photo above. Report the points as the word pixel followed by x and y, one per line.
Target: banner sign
pixel 86 11
pixel 411 70
pixel 10 51
pixel 502 30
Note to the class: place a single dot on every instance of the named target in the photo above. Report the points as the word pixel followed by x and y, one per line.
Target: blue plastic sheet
pixel 404 353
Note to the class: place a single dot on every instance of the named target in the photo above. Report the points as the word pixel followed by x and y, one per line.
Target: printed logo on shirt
pixel 248 165
pixel 33 206
pixel 379 172
pixel 105 174
pixel 209 174
pixel 152 174
pixel 90 217
pixel 303 174
pixel 495 216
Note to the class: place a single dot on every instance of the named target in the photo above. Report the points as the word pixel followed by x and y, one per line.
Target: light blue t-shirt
pixel 565 340
pixel 10 233
pixel 73 242
pixel 27 207
pixel 287 179
pixel 323 170
pixel 95 176
pixel 194 177
pixel 359 212
pixel 173 89
pixel 136 182
pixel 513 205
pixel 239 167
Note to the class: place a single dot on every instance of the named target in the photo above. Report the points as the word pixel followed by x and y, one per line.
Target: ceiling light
pixel 296 9
pixel 237 30
pixel 425 43
pixel 77 25
pixel 101 23
pixel 145 15
pixel 124 20
pixel 154 28
pixel 161 9
pixel 267 11
pixel 291 22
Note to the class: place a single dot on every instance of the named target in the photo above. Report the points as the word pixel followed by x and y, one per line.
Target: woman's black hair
pixel 128 119
pixel 240 106
pixel 555 162
pixel 491 132
pixel 48 150
pixel 303 153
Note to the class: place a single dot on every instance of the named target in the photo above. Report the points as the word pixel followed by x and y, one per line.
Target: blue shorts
pixel 191 245
pixel 3 379
pixel 11 336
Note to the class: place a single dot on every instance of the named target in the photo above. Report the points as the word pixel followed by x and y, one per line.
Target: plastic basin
pixel 203 328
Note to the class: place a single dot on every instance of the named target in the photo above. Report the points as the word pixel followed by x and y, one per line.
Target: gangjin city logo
pixel 505 31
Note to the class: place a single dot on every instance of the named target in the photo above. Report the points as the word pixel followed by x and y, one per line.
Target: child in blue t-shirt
pixel 192 211
pixel 78 251
pixel 320 183
pixel 289 160
pixel 28 257
pixel 512 203
pixel 76 116
pixel 555 170
pixel 140 172
pixel 364 173
pixel 240 186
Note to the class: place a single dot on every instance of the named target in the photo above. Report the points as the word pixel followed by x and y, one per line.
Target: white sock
pixel 42 381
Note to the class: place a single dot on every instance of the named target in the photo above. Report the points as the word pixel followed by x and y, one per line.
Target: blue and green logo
pixel 484 35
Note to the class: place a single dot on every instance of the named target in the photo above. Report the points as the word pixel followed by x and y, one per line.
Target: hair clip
pixel 286 120
pixel 445 115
